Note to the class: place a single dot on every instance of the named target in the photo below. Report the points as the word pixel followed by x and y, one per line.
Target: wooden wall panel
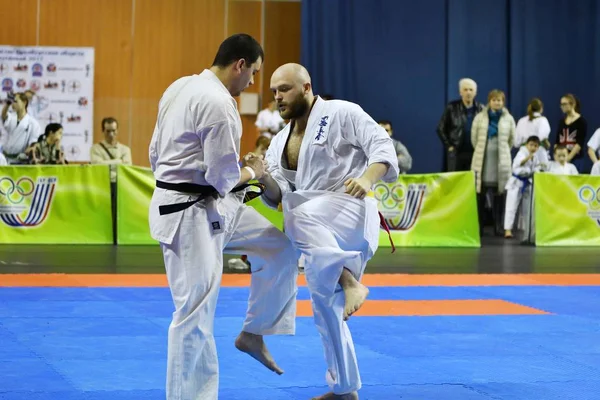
pixel 19 24
pixel 106 26
pixel 282 39
pixel 140 51
pixel 173 38
pixel 245 17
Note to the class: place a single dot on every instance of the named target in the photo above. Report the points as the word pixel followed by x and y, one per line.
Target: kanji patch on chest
pixel 322 130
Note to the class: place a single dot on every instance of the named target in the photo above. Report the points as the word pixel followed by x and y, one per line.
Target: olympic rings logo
pixel 390 197
pixel 16 192
pixel 590 196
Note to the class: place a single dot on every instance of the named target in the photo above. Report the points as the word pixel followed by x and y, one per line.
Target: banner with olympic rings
pixel 567 210
pixel 55 204
pixel 431 210
pixel 134 191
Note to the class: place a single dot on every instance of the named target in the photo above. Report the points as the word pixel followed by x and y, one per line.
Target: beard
pixel 296 109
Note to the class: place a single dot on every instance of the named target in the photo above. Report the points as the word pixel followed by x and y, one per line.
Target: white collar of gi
pixel 207 73
pixel 315 110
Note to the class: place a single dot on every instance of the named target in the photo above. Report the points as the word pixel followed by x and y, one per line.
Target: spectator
pixel 2 158
pixel 572 130
pixel 22 129
pixel 492 135
pixel 110 151
pixel 242 263
pixel 262 145
pixel 404 158
pixel 454 127
pixel 268 121
pixel 518 188
pixel 560 166
pixel 594 150
pixel 535 124
pixel 47 149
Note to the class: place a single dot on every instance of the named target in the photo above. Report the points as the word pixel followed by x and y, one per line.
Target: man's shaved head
pixel 292 72
pixel 292 89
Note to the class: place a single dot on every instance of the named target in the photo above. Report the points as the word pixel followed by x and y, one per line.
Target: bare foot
pixel 333 396
pixel 355 292
pixel 256 348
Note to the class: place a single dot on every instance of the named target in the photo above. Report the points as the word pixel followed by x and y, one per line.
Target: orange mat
pixel 424 308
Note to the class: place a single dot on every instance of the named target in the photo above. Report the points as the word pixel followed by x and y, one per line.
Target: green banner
pixel 432 210
pixel 55 204
pixel 567 210
pixel 134 191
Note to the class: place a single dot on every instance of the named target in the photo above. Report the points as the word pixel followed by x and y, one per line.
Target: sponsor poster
pixel 63 81
pixel 55 204
pixel 567 210
pixel 134 191
pixel 432 210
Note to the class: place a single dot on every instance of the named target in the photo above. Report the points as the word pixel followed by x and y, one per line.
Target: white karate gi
pixel 596 169
pixel 19 136
pixel 567 169
pixel 594 142
pixel 538 127
pixel 197 140
pixel 331 229
pixel 271 120
pixel 515 193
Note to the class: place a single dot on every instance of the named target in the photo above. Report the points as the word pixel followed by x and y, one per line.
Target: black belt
pixel 202 192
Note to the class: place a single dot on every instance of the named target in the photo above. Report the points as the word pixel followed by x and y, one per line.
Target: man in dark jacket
pixel 454 128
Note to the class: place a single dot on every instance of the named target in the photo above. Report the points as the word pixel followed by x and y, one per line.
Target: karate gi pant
pixel 194 265
pixel 516 200
pixel 333 231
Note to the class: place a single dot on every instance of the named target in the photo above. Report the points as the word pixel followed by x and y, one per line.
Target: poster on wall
pixel 63 81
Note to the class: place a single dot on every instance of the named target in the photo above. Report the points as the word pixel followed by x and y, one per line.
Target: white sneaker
pixel 238 264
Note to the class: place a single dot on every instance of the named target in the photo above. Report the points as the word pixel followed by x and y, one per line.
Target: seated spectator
pixel 404 158
pixel 47 149
pixel 110 151
pixel 560 166
pixel 242 263
pixel 262 145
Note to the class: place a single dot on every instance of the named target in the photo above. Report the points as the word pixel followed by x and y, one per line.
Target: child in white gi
pixel 560 166
pixel 518 188
pixel 594 151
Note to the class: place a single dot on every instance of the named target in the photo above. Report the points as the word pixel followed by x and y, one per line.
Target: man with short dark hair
pixel 197 213
pixel 110 151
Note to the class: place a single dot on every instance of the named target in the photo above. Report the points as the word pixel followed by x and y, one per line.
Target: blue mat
pixel 110 344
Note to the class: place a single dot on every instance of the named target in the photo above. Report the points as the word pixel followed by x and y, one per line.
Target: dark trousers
pixel 491 214
pixel 458 161
pixel 113 202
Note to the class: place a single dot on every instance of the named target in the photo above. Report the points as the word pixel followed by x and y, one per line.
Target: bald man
pixel 322 166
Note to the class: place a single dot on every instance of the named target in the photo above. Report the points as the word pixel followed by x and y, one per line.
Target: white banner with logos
pixel 63 81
